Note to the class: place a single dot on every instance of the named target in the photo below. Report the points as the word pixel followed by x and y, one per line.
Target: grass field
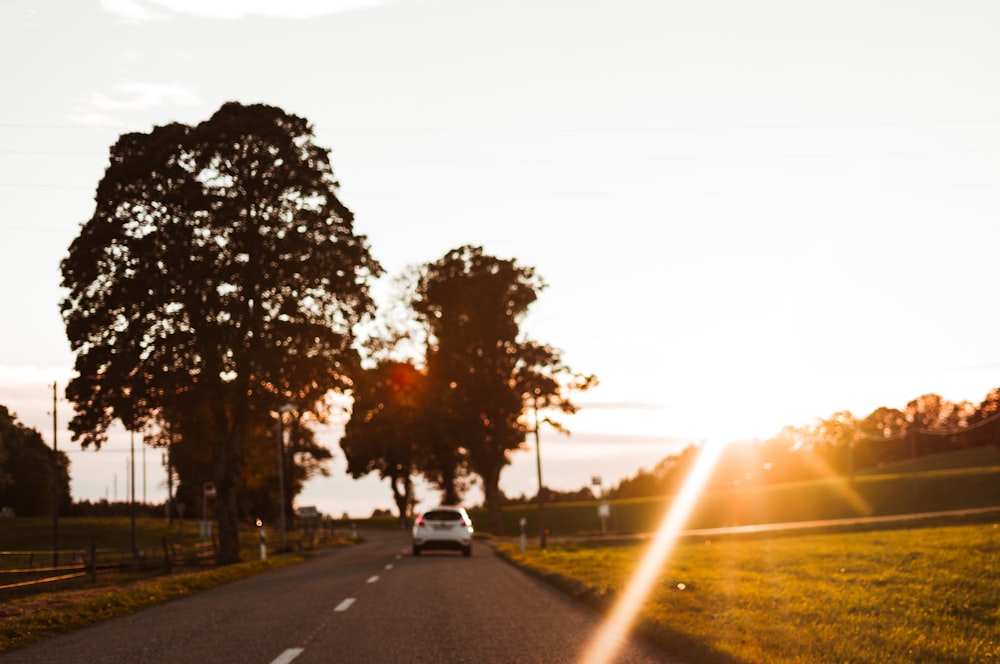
pixel 918 595
pixel 959 480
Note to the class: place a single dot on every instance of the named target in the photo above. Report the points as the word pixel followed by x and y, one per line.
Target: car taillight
pixel 464 522
pixel 420 521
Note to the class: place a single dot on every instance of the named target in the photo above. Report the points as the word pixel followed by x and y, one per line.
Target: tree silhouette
pixel 27 475
pixel 387 431
pixel 219 268
pixel 479 370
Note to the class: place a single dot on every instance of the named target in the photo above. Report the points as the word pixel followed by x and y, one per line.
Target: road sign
pixel 209 489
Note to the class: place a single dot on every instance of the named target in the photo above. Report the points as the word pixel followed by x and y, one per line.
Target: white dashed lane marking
pixel 288 656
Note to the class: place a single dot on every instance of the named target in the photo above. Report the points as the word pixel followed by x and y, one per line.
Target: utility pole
pixel 538 464
pixel 55 480
pixel 170 476
pixel 131 507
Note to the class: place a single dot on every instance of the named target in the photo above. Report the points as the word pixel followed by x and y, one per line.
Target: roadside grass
pixel 36 613
pixel 30 619
pixel 924 594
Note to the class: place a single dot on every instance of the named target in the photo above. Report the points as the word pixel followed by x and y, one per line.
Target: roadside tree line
pixel 33 478
pixel 468 402
pixel 213 302
pixel 840 444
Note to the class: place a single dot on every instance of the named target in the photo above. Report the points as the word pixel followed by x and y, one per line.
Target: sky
pixel 747 215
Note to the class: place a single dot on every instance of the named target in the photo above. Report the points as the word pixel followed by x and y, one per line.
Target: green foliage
pixel 928 594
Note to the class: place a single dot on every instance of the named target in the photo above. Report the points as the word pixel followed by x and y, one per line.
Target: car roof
pixel 440 512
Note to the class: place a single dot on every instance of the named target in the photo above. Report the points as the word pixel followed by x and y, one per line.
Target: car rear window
pixel 443 515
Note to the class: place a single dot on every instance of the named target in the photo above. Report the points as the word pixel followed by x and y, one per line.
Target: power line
pixel 597 129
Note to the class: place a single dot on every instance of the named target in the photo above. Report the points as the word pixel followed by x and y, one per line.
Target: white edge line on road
pixel 288 656
pixel 345 605
pixel 389 566
pixel 373 579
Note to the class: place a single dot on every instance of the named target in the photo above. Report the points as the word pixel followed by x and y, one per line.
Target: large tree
pixel 219 268
pixel 483 374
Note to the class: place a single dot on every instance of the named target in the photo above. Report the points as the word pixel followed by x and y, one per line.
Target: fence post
pixel 166 553
pixel 93 559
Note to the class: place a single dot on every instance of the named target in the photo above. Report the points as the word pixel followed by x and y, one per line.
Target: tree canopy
pixel 29 480
pixel 387 431
pixel 839 444
pixel 462 412
pixel 481 370
pixel 219 269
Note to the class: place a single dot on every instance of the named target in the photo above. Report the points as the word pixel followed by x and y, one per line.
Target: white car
pixel 443 527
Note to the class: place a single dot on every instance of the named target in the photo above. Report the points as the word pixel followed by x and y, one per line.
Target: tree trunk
pixel 228 517
pixel 227 481
pixel 227 470
pixel 449 487
pixel 403 499
pixel 494 500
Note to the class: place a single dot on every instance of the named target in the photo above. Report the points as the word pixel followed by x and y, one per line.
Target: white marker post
pixel 604 511
pixel 263 540
pixel 524 535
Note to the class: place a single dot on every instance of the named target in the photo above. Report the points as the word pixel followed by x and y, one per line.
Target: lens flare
pixel 843 488
pixel 616 626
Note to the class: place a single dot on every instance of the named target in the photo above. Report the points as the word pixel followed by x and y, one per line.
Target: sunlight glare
pixel 617 624
pixel 843 488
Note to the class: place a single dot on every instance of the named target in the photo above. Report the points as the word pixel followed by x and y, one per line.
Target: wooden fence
pixel 33 571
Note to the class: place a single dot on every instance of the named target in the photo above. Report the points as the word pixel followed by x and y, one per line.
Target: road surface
pixel 368 604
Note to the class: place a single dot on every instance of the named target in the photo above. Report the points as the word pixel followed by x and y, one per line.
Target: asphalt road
pixel 370 603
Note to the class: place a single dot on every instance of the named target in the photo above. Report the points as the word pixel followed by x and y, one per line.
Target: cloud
pixel 99 120
pixel 139 96
pixel 106 110
pixel 149 10
pixel 132 10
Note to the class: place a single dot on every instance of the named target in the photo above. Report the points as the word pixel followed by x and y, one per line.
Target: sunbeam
pixel 616 626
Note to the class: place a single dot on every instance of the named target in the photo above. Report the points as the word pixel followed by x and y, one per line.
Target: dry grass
pixel 930 594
